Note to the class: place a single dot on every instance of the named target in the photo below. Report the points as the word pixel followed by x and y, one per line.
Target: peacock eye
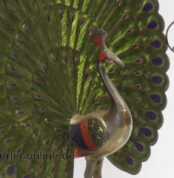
pixel 139 61
pixel 11 170
pixel 102 56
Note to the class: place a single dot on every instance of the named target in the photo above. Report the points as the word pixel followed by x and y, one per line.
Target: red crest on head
pixel 97 40
pixel 97 36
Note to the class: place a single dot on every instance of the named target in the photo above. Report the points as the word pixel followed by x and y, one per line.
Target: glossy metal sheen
pixel 117 121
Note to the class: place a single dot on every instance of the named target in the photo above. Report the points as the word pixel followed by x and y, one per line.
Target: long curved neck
pixel 118 102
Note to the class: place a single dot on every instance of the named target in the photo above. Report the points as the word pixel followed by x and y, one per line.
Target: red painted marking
pixel 97 41
pixel 86 136
pixel 78 153
pixel 102 56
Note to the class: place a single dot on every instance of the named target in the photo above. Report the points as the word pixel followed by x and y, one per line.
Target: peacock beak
pixel 111 57
pixel 98 37
pixel 118 61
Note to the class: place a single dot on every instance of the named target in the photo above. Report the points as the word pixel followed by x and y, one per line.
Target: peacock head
pixel 98 37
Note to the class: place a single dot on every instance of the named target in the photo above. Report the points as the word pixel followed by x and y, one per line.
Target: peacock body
pixel 48 74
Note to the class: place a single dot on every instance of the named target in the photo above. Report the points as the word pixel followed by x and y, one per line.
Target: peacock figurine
pixel 112 127
pixel 79 78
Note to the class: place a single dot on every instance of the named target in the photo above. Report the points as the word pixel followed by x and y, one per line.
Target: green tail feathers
pixel 48 73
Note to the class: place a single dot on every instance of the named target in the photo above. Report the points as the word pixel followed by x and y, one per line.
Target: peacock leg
pixel 90 165
pixel 98 169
